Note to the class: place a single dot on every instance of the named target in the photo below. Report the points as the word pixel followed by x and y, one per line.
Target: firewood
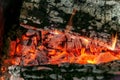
pixel 66 71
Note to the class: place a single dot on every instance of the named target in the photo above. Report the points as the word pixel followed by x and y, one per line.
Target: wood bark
pixel 66 71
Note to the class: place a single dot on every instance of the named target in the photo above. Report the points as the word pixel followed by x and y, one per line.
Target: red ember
pixel 41 46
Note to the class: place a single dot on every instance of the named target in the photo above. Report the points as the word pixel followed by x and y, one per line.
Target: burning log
pixel 43 46
pixel 43 50
pixel 54 46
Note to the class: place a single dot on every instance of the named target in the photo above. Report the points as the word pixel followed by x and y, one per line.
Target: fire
pixel 114 41
pixel 55 47
pixel 52 46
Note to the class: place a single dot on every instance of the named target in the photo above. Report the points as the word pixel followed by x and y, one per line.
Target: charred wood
pixel 67 71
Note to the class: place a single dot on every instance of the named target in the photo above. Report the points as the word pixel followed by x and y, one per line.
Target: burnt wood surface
pixel 65 71
pixel 97 13
pixel 100 16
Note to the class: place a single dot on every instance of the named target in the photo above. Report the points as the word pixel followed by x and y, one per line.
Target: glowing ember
pixel 41 46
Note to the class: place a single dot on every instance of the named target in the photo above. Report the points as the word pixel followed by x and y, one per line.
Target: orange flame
pixel 114 41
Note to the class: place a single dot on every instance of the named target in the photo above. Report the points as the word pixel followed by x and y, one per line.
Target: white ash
pixel 14 70
pixel 15 78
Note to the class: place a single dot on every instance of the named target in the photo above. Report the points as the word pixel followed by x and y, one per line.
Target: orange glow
pixel 114 41
pixel 12 48
pixel 24 37
pixel 3 69
pixel 56 31
pixel 2 78
pixel 113 45
pixel 105 57
pixel 59 47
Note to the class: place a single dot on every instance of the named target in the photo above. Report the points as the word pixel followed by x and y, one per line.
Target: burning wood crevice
pixel 40 46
